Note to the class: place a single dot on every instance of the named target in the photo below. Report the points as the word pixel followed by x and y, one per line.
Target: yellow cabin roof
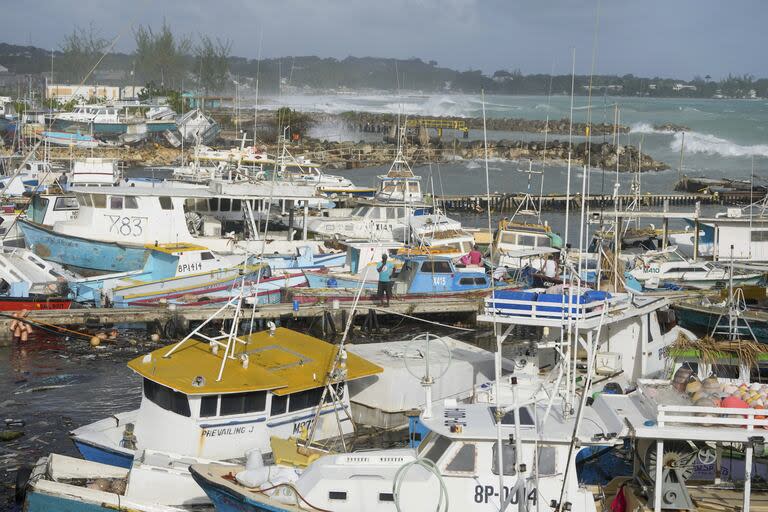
pixel 285 363
pixel 176 247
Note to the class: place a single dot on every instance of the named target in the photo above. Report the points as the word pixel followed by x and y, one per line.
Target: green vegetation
pixel 161 56
pixel 81 51
pixel 172 61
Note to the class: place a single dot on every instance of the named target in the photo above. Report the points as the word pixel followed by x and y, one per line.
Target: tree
pixel 213 63
pixel 81 51
pixel 161 57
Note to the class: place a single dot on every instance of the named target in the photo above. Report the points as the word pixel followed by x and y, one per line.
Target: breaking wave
pixel 705 143
pixel 646 128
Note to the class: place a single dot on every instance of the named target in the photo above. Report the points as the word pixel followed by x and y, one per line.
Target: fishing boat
pixel 273 385
pixel 158 482
pixel 77 139
pixel 467 460
pixel 115 224
pixel 185 274
pixel 656 268
pixel 400 184
pixel 29 282
pixel 419 276
pixel 690 455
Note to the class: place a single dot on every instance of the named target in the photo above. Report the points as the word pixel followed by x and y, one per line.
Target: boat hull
pixel 43 502
pixel 81 253
pixel 103 454
pixel 225 500
pixel 703 322
pixel 32 304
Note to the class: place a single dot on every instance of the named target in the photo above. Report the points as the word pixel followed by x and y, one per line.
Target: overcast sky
pixel 678 38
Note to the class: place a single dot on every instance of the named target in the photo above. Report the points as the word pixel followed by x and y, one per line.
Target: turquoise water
pixel 723 138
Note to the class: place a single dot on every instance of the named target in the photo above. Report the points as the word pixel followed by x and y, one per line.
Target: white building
pixel 66 93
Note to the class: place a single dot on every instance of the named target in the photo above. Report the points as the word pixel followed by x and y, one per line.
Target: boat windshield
pixel 434 446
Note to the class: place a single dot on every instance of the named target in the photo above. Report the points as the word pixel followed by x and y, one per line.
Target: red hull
pixel 17 304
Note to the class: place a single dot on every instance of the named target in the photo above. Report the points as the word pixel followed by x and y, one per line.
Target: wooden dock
pixel 558 202
pixel 174 322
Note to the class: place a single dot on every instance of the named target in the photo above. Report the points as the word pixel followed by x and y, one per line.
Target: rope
pixel 429 466
pixel 294 489
pixel 43 326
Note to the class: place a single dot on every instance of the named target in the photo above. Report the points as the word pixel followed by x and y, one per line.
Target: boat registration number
pixel 652 270
pixel 489 493
pixel 127 226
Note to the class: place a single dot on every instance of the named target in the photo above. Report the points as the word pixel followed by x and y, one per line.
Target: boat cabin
pixel 272 386
pixel 437 274
pixel 47 209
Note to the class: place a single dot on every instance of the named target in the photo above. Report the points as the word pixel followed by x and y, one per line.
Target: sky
pixel 666 38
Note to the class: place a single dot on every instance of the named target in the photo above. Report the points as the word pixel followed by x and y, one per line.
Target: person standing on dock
pixel 385 269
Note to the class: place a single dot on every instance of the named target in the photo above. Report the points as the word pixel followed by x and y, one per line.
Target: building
pixel 683 87
pixel 66 93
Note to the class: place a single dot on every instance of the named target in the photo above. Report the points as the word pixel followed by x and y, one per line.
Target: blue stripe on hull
pixel 103 455
pixel 82 253
pixel 40 502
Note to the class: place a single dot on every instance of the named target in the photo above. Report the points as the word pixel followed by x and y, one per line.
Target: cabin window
pixel 225 204
pixel 131 203
pixel 507 458
pixel 305 399
pixel 99 200
pixel 65 203
pixel 413 187
pixel 526 240
pixel 464 460
pixel 209 406
pixel 237 205
pixel 213 204
pixel 279 405
pixel 200 205
pixel 83 199
pixel 467 281
pixel 509 416
pixel 205 256
pixel 166 203
pixel 759 236
pixel 116 202
pixel 337 495
pixel 436 267
pixel 480 281
pixel 437 449
pixel 241 403
pixel 166 398
pixel 375 214
pixel 387 497
pixel 547 460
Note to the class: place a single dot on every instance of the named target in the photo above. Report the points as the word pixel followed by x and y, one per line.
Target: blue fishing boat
pixel 415 277
pixel 81 253
pixel 77 139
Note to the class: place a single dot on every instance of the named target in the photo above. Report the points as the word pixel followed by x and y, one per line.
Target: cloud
pixel 653 37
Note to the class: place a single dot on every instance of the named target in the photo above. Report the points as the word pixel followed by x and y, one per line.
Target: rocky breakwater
pixel 340 155
pixel 385 123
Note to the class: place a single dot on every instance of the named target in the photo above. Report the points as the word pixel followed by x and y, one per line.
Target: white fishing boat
pixel 157 482
pixel 192 405
pixel 115 224
pixel 467 460
pixel 400 184
pixel 656 268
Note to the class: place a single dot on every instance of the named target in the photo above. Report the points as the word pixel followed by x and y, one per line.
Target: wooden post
pixel 747 476
pixel 696 228
pixel 665 225
pixel 306 216
pixel 290 219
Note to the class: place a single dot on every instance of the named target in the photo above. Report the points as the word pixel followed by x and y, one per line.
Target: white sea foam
pixel 472 164
pixel 646 128
pixel 705 143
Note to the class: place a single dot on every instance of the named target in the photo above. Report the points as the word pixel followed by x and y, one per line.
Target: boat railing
pixel 693 415
pixel 510 309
